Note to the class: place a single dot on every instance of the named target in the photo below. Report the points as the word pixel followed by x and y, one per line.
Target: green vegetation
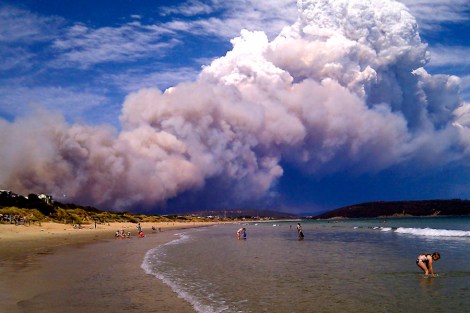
pixel 31 209
pixel 83 216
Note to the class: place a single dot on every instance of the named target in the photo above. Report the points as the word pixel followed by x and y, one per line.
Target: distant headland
pixel 455 207
pixel 43 208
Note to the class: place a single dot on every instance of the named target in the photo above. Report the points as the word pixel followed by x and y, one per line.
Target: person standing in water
pixel 240 232
pixel 425 260
pixel 300 232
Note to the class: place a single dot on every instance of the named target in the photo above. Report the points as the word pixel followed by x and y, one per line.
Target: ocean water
pixel 364 265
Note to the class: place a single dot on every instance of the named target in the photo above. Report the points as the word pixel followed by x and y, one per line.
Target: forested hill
pixel 401 209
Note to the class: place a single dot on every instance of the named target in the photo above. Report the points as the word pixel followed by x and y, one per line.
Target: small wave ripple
pixel 431 232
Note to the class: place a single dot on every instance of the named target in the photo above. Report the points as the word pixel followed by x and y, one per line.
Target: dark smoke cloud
pixel 343 89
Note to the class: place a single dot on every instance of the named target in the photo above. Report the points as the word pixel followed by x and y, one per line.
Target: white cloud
pixel 432 13
pixel 85 47
pixel 341 89
pixel 465 81
pixel 190 8
pixel 15 58
pixel 82 46
pixel 131 80
pixel 454 60
pixel 449 56
pixel 21 26
pixel 232 16
pixel 20 100
pixel 431 16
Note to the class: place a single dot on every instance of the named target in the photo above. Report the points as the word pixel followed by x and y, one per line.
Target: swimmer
pixel 424 262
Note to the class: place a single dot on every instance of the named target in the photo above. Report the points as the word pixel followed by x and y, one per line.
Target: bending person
pixel 424 261
pixel 240 232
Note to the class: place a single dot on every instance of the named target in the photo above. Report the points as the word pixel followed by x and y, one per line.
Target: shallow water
pixel 353 266
pixel 104 276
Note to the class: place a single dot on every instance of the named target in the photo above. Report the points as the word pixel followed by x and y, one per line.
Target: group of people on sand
pixel 14 219
pixel 424 261
pixel 120 234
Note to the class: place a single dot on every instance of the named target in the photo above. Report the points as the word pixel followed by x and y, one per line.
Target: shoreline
pixel 56 268
pixel 20 240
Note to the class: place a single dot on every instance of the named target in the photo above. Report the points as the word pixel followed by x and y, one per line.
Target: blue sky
pixel 94 70
pixel 83 59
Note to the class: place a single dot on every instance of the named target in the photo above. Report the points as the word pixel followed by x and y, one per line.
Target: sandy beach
pixel 56 268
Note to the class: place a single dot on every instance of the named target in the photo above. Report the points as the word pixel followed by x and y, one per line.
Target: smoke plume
pixel 343 89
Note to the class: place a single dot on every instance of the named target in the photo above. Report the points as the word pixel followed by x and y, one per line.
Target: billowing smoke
pixel 344 88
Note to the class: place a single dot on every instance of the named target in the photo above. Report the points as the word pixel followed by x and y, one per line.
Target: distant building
pixel 46 198
pixel 42 196
pixel 8 193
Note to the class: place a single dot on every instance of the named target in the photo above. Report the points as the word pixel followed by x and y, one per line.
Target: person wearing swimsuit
pixel 240 232
pixel 424 262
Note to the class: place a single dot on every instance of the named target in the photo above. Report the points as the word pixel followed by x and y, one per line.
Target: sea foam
pixel 150 267
pixel 431 232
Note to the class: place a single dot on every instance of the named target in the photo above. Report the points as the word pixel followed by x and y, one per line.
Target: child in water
pixel 424 262
pixel 240 231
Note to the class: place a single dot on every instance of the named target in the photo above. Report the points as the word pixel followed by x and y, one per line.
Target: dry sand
pixel 56 268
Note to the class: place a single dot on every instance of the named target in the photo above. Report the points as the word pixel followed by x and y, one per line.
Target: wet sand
pixel 90 271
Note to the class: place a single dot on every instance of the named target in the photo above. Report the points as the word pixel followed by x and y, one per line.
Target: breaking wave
pixel 430 232
pixel 153 264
